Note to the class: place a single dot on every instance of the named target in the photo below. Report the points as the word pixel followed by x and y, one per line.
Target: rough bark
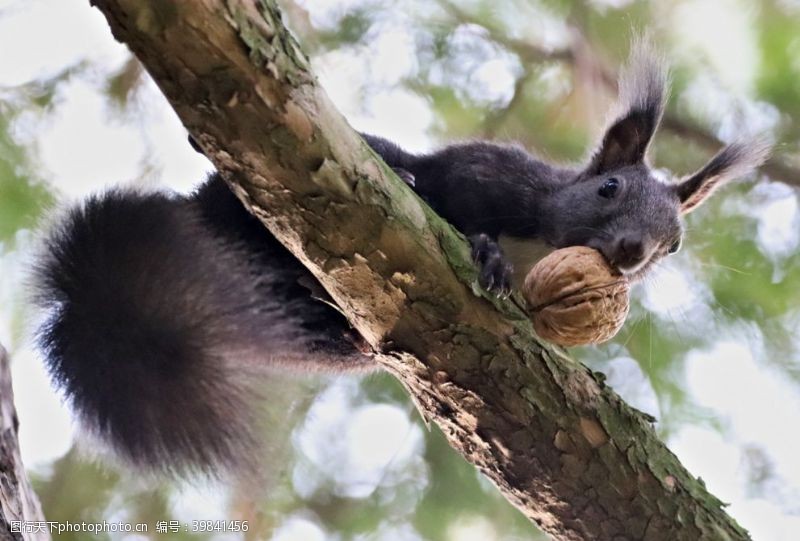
pixel 18 502
pixel 561 446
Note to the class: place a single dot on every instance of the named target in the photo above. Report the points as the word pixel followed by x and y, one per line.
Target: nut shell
pixel 576 298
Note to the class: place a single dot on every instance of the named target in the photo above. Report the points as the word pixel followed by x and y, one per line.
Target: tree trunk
pixel 562 447
pixel 20 514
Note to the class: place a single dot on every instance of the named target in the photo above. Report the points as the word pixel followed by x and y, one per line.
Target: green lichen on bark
pixel 271 44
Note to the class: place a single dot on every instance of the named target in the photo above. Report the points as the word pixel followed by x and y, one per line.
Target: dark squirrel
pixel 162 308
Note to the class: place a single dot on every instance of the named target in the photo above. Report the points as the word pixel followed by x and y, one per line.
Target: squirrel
pixel 162 308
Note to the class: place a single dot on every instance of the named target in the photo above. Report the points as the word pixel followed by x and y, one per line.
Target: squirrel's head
pixel 616 204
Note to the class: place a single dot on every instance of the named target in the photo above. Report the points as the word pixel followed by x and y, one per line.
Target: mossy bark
pixel 561 446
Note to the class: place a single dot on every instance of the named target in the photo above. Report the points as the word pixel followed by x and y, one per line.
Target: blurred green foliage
pixel 22 196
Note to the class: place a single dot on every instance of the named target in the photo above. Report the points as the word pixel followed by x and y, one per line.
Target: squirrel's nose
pixel 628 253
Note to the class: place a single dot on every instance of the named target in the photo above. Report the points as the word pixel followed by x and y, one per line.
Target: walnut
pixel 576 298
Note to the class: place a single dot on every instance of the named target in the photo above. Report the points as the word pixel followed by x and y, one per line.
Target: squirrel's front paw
pixel 495 272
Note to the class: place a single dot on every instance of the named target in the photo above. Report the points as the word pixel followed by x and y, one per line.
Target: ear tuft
pixel 644 81
pixel 643 88
pixel 735 160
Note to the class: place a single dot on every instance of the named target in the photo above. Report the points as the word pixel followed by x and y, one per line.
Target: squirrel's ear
pixel 735 160
pixel 642 94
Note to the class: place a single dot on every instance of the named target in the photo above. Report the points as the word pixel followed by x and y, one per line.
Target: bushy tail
pixel 143 305
pixel 161 312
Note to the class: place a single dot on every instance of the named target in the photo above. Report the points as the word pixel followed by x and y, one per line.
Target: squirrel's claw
pixel 495 272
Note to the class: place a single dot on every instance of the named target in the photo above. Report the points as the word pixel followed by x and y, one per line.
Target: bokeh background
pixel 712 347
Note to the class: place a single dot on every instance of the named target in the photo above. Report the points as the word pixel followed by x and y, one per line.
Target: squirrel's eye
pixel 675 246
pixel 609 188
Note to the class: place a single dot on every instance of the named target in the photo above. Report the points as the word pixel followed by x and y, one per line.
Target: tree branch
pixel 18 502
pixel 560 445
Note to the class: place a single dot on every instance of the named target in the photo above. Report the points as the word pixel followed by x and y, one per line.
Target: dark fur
pixel 163 313
pixel 163 309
